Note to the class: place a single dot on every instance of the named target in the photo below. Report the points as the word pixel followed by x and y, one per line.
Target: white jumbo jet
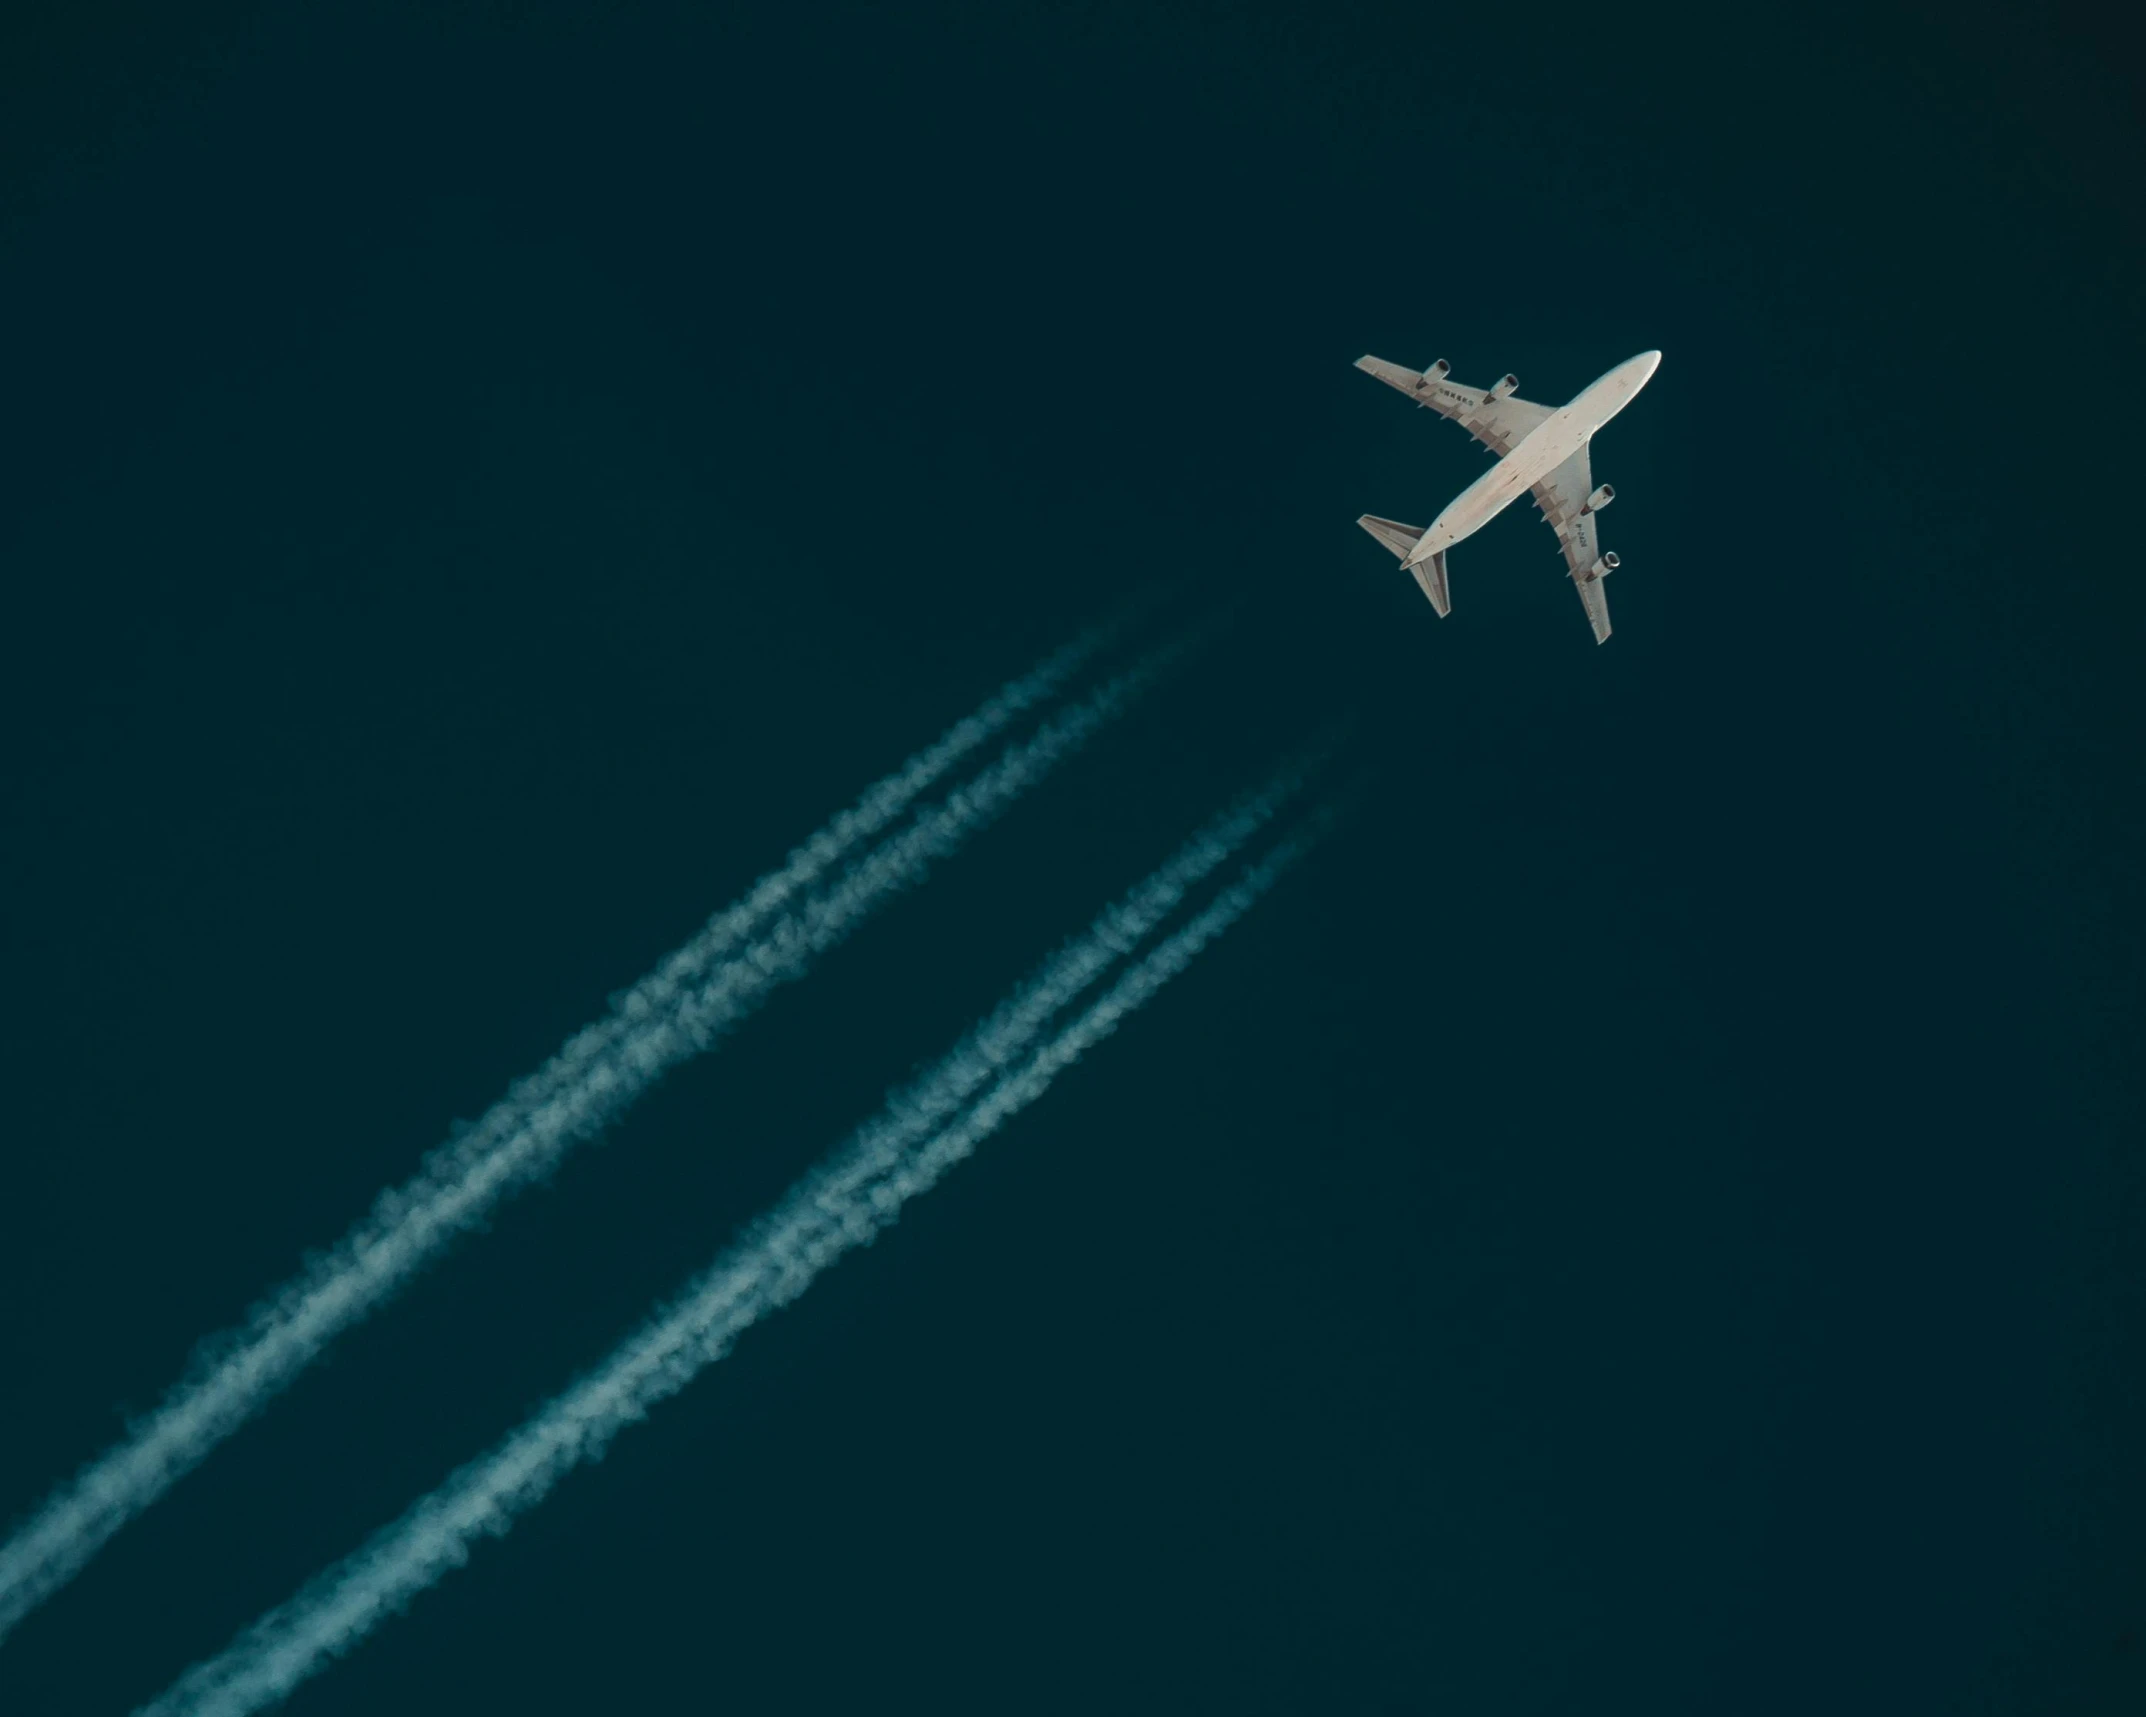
pixel 1540 451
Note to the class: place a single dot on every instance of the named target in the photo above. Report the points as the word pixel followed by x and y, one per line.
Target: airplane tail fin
pixel 1430 574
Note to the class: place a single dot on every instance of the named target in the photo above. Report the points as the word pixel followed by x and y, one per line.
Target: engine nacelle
pixel 1500 389
pixel 1601 498
pixel 1436 373
pixel 1603 567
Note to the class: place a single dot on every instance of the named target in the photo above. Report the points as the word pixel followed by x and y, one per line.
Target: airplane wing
pixel 1498 421
pixel 1561 498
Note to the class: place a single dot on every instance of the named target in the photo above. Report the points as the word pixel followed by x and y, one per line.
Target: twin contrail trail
pixel 706 987
pixel 916 1139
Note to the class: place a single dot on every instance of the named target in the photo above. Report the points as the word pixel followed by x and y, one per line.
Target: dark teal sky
pixel 1649 1220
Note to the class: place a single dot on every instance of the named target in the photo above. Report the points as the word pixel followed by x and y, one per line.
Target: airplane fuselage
pixel 1547 446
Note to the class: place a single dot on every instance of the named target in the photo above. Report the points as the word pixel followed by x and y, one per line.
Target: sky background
pixel 1650 1219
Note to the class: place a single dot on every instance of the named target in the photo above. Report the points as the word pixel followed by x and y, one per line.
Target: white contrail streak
pixel 904 1151
pixel 678 1009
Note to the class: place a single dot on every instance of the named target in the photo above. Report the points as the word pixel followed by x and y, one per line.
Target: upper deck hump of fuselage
pixel 1608 394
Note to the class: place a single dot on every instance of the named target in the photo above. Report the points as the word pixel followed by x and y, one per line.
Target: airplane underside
pixel 1541 452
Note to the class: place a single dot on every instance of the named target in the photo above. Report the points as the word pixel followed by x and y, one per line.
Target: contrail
pixel 904 1151
pixel 705 987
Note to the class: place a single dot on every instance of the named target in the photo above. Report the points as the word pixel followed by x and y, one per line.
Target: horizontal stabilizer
pixel 1431 575
pixel 1398 537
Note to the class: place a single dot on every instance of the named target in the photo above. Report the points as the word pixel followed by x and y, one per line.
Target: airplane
pixel 1541 452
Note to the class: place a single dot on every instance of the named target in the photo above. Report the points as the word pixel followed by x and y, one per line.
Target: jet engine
pixel 1601 498
pixel 1436 373
pixel 1500 389
pixel 1603 567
